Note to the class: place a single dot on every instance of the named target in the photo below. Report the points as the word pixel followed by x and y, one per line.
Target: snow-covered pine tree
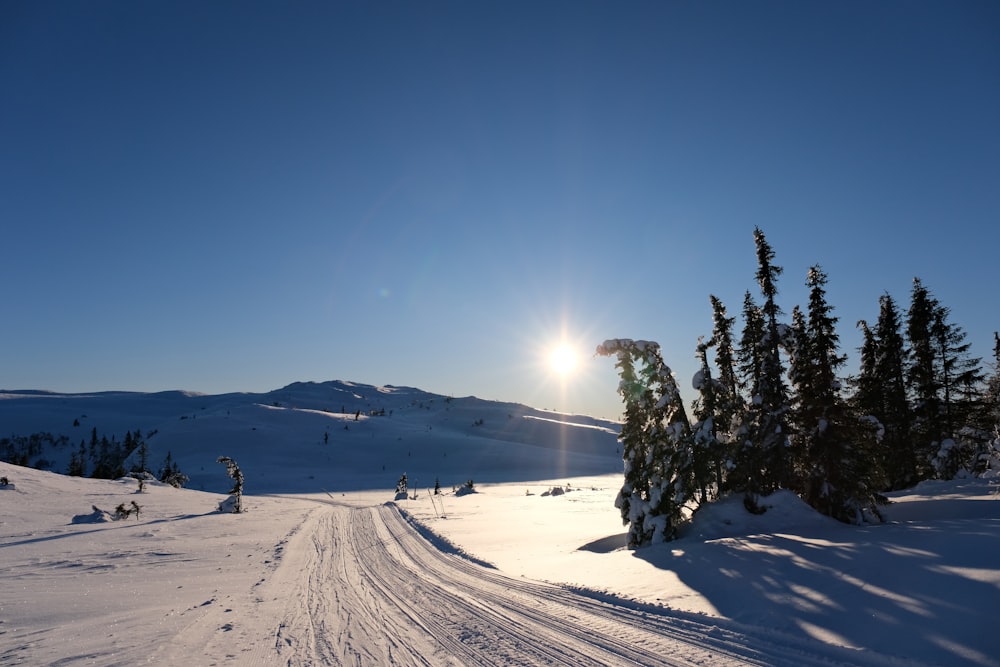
pixel 706 447
pixel 887 400
pixel 402 487
pixel 234 503
pixel 961 374
pixel 992 398
pixel 965 433
pixel 748 459
pixel 988 461
pixel 867 393
pixel 800 373
pixel 656 443
pixel 729 406
pixel 840 473
pixel 749 351
pixel 922 377
pixel 170 473
pixel 747 475
pixel 771 428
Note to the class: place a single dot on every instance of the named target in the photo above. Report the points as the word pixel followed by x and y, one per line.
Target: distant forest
pixel 100 458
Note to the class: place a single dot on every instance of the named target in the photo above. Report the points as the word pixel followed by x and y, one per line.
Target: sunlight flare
pixel 563 359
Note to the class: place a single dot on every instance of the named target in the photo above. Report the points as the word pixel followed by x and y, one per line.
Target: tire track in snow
pixel 369 589
pixel 373 591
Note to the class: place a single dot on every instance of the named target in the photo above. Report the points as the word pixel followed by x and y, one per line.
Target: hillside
pixel 327 436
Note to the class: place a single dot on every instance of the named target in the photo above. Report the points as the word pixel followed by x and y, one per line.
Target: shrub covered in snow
pixel 233 504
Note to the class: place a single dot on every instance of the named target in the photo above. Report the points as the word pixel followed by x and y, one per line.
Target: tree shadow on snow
pixel 930 588
pixel 606 545
pixel 113 525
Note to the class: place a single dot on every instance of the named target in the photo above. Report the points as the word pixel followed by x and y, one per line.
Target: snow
pixel 324 568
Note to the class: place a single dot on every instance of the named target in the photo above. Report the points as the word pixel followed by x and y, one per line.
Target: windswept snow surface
pixel 527 570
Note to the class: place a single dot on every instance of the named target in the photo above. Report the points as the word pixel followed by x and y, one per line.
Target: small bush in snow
pixel 123 512
pixel 465 489
pixel 402 487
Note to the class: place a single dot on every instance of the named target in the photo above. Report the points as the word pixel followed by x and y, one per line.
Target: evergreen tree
pixel 94 455
pixel 142 449
pixel 76 463
pixel 236 493
pixel 881 393
pixel 762 462
pixel 800 371
pixel 706 445
pixel 923 380
pixel 840 472
pixel 961 374
pixel 771 427
pixel 170 473
pixel 992 398
pixel 961 381
pixel 867 393
pixel 945 382
pixel 747 475
pixel 730 409
pixel 656 443
pixel 749 354
pixel 989 456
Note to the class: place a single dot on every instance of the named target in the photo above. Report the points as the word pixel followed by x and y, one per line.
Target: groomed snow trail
pixel 361 586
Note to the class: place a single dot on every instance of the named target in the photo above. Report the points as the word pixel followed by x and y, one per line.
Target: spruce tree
pixel 170 473
pixel 76 464
pixel 989 457
pixel 236 493
pixel 961 374
pixel 992 398
pixel 772 429
pixel 749 354
pixel 656 443
pixel 801 374
pixel 839 468
pixel 945 382
pixel 881 394
pixel 867 393
pixel 762 459
pixel 706 445
pixel 922 377
pixel 730 408
pixel 961 380
pixel 748 457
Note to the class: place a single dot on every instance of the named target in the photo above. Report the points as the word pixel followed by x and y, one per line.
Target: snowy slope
pixel 323 569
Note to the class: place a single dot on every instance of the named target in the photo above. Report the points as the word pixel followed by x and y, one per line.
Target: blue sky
pixel 231 196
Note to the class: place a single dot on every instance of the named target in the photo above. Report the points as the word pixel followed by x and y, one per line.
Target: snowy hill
pixel 324 568
pixel 330 436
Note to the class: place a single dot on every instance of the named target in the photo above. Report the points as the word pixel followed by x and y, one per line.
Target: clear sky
pixel 231 196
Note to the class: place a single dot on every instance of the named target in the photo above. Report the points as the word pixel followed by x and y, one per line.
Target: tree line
pixel 100 458
pixel 774 411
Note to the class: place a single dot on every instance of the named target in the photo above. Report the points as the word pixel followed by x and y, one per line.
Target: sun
pixel 563 359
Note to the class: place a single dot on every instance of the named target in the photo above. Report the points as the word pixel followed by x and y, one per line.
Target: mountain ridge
pixel 339 434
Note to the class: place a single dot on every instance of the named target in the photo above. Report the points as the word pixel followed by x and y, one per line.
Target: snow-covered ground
pixel 324 568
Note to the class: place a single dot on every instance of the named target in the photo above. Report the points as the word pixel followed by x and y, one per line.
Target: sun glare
pixel 563 359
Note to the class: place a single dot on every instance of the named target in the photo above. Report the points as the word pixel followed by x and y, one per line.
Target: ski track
pixel 361 586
